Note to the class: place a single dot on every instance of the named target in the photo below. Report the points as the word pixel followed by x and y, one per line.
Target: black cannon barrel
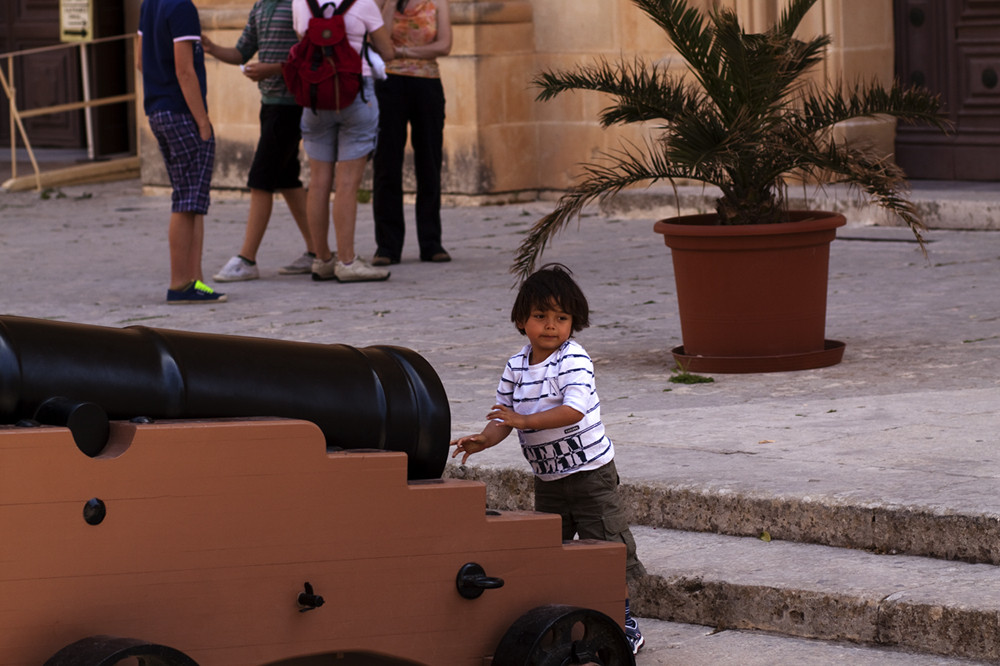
pixel 379 397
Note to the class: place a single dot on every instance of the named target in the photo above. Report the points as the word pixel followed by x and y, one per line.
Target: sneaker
pixel 636 640
pixel 324 270
pixel 300 266
pixel 359 270
pixel 237 269
pixel 195 292
pixel 632 632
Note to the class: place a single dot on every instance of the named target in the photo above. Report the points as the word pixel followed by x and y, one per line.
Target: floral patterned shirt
pixel 414 27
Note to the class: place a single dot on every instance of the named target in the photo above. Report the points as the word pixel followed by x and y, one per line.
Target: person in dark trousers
pixel 411 95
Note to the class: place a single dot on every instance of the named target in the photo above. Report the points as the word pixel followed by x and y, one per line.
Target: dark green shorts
pixel 591 508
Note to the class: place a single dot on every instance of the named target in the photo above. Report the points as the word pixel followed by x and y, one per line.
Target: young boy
pixel 275 166
pixel 547 393
pixel 172 63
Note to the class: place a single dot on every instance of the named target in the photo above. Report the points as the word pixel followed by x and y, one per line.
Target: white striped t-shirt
pixel 565 378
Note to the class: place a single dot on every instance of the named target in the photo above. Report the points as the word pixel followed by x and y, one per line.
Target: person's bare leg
pixel 345 206
pixel 197 246
pixel 185 236
pixel 261 204
pixel 297 201
pixel 318 207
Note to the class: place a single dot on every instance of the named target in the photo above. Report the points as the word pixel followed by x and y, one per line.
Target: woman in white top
pixel 338 144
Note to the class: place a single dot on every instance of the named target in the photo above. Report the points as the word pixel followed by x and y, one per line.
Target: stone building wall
pixel 501 144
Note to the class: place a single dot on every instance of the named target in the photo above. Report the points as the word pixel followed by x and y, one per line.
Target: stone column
pixel 490 133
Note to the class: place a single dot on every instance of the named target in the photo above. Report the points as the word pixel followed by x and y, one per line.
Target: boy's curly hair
pixel 551 285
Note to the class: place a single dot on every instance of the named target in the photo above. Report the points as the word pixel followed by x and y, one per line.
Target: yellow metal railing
pixel 17 116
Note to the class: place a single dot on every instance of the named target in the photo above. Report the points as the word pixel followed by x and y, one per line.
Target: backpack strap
pixel 343 7
pixel 365 47
pixel 340 10
pixel 317 11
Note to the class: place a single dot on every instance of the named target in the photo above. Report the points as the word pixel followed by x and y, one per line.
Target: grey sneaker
pixel 359 270
pixel 237 269
pixel 298 267
pixel 324 270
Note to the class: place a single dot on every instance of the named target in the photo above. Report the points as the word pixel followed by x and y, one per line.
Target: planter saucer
pixel 831 354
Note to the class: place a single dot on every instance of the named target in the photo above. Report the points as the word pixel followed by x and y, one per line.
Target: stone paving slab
pixel 813 591
pixel 670 643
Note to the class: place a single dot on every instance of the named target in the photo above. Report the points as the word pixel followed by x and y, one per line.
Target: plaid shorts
pixel 188 159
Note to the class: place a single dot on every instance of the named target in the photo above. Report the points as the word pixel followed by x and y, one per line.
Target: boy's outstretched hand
pixel 505 416
pixel 494 433
pixel 468 445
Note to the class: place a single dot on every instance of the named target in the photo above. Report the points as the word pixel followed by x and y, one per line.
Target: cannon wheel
pixel 109 650
pixel 556 635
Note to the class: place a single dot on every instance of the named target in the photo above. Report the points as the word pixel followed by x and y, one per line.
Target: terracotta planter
pixel 752 298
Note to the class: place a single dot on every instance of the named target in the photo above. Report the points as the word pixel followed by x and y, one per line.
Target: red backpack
pixel 323 71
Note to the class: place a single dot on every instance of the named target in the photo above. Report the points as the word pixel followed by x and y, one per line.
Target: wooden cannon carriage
pixel 252 540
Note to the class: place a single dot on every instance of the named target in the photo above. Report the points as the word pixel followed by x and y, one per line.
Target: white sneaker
pixel 301 265
pixel 324 270
pixel 359 270
pixel 237 270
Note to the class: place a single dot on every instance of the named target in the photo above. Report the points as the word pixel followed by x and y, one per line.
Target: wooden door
pixel 43 79
pixel 953 48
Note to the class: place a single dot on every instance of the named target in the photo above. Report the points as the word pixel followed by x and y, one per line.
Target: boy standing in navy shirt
pixel 172 63
pixel 548 394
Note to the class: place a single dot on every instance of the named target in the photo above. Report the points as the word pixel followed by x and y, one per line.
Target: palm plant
pixel 745 120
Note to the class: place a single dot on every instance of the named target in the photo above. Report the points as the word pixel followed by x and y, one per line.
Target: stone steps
pixel 820 592
pixel 906 577
pixel 881 528
pixel 885 528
